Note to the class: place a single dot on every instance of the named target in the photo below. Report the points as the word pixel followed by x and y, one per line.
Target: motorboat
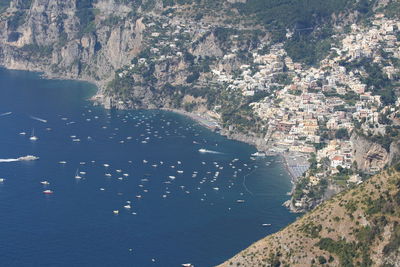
pixel 33 137
pixel 28 158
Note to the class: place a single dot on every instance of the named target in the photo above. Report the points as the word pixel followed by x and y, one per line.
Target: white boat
pixel 266 224
pixel 187 265
pixel 171 177
pixel 179 171
pixel 127 206
pixel 44 182
pixel 62 162
pixel 2 180
pixel 258 154
pixel 22 133
pixel 33 137
pixel 116 212
pixel 77 176
pixel 240 201
pixel 48 192
pixel 106 165
pixel 202 150
pixel 28 158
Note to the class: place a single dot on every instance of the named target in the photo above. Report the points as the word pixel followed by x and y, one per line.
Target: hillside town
pixel 309 114
pixel 316 109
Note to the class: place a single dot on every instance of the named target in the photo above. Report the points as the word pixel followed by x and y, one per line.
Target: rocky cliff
pixel 49 36
pixel 95 40
pixel 368 155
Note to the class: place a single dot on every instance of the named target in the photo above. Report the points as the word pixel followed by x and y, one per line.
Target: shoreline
pixel 203 119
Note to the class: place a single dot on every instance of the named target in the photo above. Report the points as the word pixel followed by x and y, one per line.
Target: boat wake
pixel 202 150
pixel 5 114
pixel 39 119
pixel 25 158
pixel 8 160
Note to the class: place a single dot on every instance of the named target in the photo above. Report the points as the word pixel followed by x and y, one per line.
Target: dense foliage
pixel 86 15
pixel 308 41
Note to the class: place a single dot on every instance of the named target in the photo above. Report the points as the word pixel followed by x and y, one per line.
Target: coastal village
pixel 311 113
pixel 323 100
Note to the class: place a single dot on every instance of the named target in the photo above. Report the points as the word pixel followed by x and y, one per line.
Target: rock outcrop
pixel 368 155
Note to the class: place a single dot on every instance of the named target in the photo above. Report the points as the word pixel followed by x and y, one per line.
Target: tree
pixel 342 133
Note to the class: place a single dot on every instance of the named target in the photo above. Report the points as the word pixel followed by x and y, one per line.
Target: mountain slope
pixel 359 227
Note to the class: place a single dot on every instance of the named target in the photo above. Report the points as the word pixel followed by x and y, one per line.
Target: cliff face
pixel 48 36
pixel 368 155
pixel 93 40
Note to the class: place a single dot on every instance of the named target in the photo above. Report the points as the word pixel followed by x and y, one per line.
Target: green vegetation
pixel 86 15
pixel 121 86
pixel 311 229
pixel 16 20
pixel 345 251
pixel 392 10
pixel 37 50
pixel 342 133
pixel 4 4
pixel 376 79
pixel 394 242
pixel 309 42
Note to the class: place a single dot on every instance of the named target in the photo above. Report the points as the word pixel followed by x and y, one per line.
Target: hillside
pixel 310 79
pixel 359 227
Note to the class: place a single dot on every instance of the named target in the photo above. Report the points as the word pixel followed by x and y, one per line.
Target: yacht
pixel 28 158
pixel 116 212
pixel 202 150
pixel 258 154
pixel 48 192
pixel 33 137
pixel 127 206
pixel 44 182
pixel 2 180
pixel 240 201
pixel 77 176
pixel 266 224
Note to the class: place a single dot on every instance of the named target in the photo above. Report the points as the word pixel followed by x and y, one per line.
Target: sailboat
pixel 33 137
pixel 77 176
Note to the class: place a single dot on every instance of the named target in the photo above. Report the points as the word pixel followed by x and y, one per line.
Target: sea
pixel 128 188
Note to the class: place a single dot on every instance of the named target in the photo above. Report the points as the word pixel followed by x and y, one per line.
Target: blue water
pixel 175 221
